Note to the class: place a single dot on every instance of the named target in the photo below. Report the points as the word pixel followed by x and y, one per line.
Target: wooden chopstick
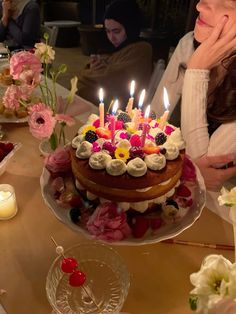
pixel 199 244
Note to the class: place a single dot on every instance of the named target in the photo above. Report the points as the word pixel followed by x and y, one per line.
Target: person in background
pixel 20 24
pixel 129 59
pixel 203 70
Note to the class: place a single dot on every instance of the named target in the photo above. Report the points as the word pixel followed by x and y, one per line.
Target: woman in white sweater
pixel 202 74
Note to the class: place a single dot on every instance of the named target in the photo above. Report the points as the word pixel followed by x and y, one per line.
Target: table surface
pixel 159 272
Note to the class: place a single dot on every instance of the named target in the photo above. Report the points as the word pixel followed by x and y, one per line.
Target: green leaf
pixel 53 141
pixel 193 302
pixel 62 68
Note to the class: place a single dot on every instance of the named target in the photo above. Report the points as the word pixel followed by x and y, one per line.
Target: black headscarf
pixel 128 14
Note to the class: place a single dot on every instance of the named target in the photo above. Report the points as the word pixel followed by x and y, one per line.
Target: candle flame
pixel 166 99
pixel 115 107
pixel 101 95
pixel 147 112
pixel 141 98
pixel 132 87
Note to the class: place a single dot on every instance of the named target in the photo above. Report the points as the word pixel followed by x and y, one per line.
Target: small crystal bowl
pixel 106 286
pixel 4 162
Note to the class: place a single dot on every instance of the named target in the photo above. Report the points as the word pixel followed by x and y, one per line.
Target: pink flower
pixel 108 223
pixel 24 61
pixel 41 121
pixel 11 97
pixel 59 160
pixel 29 77
pixel 68 120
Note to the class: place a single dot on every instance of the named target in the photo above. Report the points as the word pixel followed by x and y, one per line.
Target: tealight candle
pixel 129 106
pixel 8 206
pixel 137 112
pixel 113 121
pixel 165 115
pixel 145 126
pixel 101 108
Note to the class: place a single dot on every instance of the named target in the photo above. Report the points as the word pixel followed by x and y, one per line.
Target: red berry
pixel 8 147
pixel 68 265
pixel 77 278
pixel 140 226
pixel 183 191
pixel 155 223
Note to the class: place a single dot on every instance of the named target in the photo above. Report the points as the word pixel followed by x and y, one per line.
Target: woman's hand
pixel 97 63
pixel 211 168
pixel 218 46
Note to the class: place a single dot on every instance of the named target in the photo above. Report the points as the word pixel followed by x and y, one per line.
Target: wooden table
pixel 159 272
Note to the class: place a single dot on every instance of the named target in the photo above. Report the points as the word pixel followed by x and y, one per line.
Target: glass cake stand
pixel 164 232
pixel 106 286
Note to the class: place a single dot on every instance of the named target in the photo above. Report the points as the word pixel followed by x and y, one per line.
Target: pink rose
pixel 41 121
pixel 11 97
pixel 108 223
pixel 24 61
pixel 59 160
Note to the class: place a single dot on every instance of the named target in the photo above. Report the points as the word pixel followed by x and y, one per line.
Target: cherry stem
pixel 85 289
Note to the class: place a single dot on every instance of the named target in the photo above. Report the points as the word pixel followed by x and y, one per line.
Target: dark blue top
pixel 23 32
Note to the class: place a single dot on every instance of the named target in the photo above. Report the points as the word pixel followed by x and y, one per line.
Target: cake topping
pixel 84 150
pixel 136 167
pixel 172 151
pixel 176 138
pixel 99 160
pixel 77 140
pixel 155 161
pixel 116 167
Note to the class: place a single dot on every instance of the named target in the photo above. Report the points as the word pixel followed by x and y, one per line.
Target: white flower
pixel 44 52
pixel 212 282
pixel 227 198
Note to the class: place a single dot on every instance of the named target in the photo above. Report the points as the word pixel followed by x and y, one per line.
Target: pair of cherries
pixel 69 265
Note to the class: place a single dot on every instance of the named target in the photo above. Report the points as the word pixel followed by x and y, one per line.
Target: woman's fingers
pixel 218 29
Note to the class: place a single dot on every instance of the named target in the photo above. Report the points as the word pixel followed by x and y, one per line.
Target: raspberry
pixel 91 136
pixel 135 140
pixel 160 138
pixel 153 115
pixel 139 226
pixel 136 151
pixel 183 191
pixel 109 147
pixel 122 116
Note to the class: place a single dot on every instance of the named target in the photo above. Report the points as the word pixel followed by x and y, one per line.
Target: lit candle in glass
pixel 145 126
pixel 137 112
pixel 129 106
pixel 101 108
pixel 8 206
pixel 113 121
pixel 165 115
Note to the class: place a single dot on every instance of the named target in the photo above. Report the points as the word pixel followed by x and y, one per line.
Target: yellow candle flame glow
pixel 141 98
pixel 115 107
pixel 166 99
pixel 132 88
pixel 147 112
pixel 101 95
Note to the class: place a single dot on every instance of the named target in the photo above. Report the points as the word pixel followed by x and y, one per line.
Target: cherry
pixel 77 278
pixel 68 265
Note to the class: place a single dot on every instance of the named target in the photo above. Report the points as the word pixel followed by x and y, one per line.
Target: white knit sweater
pixel 193 86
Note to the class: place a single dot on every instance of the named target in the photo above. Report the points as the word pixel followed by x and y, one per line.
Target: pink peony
pixel 11 97
pixel 68 120
pixel 59 160
pixel 107 223
pixel 24 61
pixel 41 121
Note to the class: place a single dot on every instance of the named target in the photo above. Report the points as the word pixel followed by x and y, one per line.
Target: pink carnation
pixel 68 120
pixel 59 160
pixel 107 223
pixel 11 97
pixel 24 61
pixel 41 121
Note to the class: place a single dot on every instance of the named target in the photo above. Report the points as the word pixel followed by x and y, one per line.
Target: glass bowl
pixel 106 286
pixel 6 159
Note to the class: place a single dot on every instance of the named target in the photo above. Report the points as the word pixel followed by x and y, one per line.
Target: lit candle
pixel 101 108
pixel 137 112
pixel 165 115
pixel 145 126
pixel 113 121
pixel 8 207
pixel 129 106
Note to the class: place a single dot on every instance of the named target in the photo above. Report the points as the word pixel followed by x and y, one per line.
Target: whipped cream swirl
pixel 99 160
pixel 136 167
pixel 177 139
pixel 155 161
pixel 77 140
pixel 172 151
pixel 116 167
pixel 84 150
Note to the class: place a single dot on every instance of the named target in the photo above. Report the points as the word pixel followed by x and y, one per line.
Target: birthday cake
pixel 128 179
